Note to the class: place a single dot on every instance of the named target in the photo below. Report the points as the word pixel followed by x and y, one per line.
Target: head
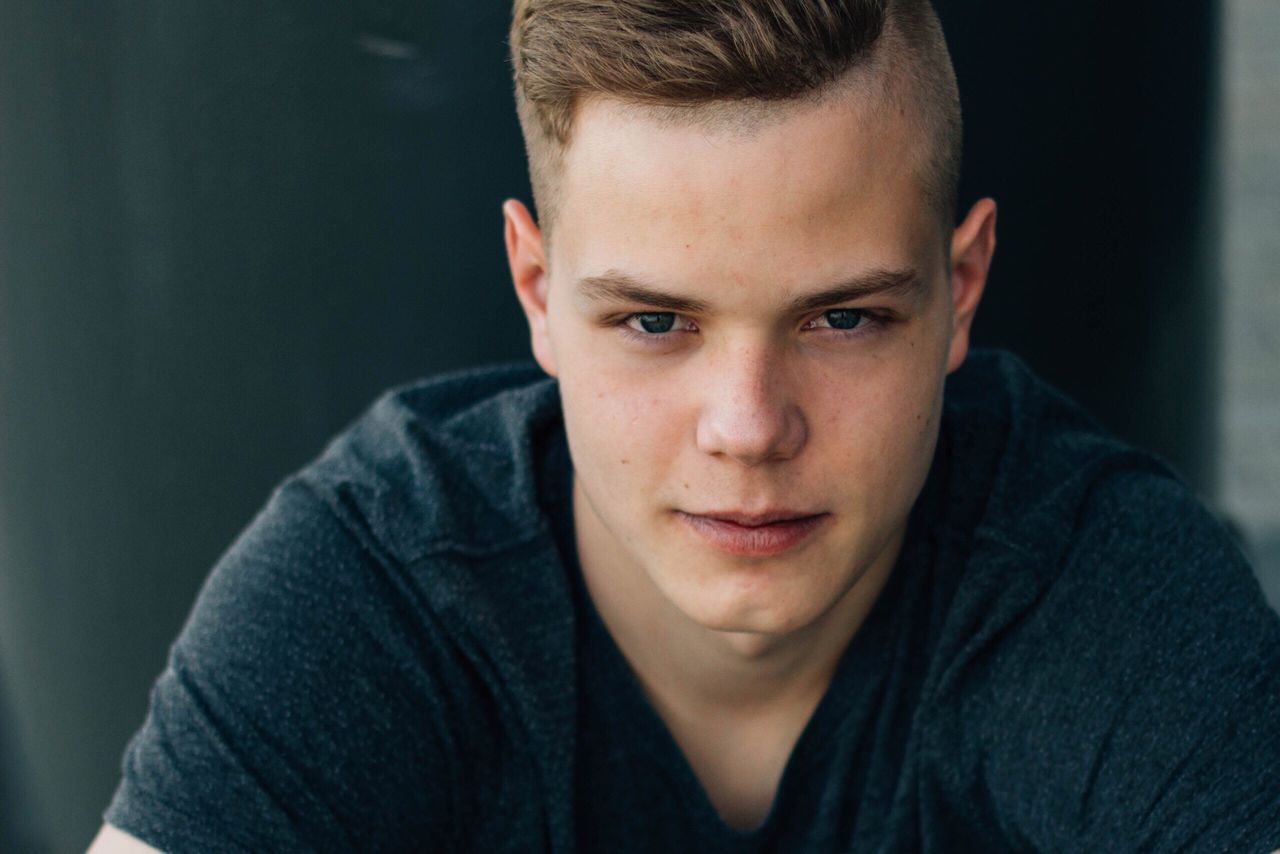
pixel 756 286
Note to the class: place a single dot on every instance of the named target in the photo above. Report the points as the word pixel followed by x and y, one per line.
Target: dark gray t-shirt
pixel 398 654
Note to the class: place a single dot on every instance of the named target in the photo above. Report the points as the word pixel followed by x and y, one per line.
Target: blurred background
pixel 226 227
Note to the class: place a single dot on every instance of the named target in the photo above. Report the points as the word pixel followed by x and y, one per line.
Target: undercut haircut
pixel 700 60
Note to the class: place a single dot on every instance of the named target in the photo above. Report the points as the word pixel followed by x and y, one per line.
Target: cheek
pixel 622 414
pixel 881 426
pixel 622 434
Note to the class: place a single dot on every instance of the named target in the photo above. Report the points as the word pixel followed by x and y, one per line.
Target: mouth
pixel 754 535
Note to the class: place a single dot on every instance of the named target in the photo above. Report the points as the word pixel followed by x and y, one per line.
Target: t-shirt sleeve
pixel 1139 699
pixel 302 705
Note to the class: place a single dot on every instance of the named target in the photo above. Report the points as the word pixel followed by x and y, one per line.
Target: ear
pixel 528 265
pixel 972 246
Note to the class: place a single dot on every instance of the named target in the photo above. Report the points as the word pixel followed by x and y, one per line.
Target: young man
pixel 769 562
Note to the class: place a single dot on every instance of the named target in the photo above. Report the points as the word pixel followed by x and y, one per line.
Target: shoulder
pixel 1135 699
pixel 1113 666
pixel 1053 497
pixel 1068 523
pixel 1029 454
pixel 434 479
pixel 339 675
pixel 445 464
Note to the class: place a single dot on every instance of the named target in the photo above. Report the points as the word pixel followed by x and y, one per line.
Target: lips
pixel 755 535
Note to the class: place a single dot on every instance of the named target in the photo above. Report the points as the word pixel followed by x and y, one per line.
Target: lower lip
pixel 755 541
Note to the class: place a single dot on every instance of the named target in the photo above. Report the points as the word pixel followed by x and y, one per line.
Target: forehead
pixel 792 186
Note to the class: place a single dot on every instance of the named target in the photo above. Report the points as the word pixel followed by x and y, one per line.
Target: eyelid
pixel 624 324
pixel 821 315
pixel 870 317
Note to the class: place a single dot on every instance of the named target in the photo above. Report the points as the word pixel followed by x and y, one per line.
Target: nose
pixel 749 411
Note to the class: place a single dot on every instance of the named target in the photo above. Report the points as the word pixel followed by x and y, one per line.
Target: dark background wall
pixel 225 227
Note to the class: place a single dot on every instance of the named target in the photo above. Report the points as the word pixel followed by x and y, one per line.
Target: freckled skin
pixel 749 412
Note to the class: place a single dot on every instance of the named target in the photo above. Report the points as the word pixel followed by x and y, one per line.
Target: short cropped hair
pixel 717 55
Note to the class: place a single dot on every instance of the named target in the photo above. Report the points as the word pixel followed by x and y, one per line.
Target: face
pixel 751 329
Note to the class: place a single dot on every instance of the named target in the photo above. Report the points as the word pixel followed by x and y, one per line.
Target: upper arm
pixel 1140 709
pixel 305 705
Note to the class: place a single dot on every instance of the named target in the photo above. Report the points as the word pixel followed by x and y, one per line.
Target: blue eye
pixel 656 323
pixel 844 318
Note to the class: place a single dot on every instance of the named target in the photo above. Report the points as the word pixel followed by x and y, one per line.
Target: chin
pixel 758 610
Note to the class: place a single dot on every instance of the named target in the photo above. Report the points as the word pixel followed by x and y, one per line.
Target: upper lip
pixel 755 519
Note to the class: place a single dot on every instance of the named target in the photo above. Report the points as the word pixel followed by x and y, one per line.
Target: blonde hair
pixel 722 55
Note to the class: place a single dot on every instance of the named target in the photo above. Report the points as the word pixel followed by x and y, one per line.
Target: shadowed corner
pixel 1261 550
pixel 18 831
pixel 1265 553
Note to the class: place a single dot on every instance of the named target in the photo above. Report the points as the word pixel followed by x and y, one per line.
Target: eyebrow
pixel 904 283
pixel 616 286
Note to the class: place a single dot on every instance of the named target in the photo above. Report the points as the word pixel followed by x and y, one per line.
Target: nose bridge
pixel 750 411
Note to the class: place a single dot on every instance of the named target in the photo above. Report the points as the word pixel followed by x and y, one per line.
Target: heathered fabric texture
pixel 398 654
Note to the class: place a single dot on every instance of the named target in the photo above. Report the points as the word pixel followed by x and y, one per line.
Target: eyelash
pixel 872 321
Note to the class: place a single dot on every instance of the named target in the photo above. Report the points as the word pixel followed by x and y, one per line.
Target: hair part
pixel 730 63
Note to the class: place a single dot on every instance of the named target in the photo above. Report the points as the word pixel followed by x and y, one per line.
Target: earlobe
pixel 528 266
pixel 972 247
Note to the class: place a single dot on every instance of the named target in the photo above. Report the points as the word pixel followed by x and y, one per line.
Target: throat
pixel 739 760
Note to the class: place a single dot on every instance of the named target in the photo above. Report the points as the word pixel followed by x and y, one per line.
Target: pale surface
pixel 1250 416
pixel 112 841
